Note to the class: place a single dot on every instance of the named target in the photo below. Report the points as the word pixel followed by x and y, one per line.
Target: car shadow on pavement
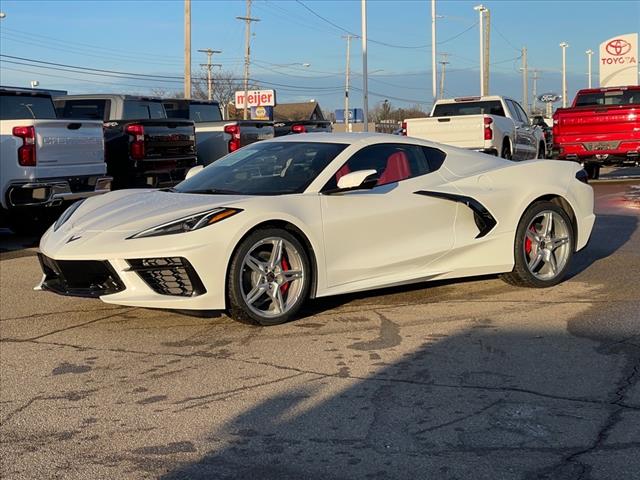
pixel 483 403
pixel 610 233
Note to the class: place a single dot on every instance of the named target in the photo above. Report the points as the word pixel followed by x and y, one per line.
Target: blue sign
pixel 261 113
pixel 356 115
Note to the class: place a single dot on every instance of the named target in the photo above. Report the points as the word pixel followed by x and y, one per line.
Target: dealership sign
pixel 619 61
pixel 256 98
pixel 549 97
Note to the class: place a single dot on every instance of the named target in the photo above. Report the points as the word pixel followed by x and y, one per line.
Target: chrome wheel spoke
pixel 255 264
pixel 547 223
pixel 290 275
pixel 558 242
pixel 533 236
pixel 535 261
pixel 553 264
pixel 276 299
pixel 276 253
pixel 256 292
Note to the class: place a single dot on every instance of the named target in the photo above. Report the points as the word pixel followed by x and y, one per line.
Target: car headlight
pixel 66 215
pixel 188 224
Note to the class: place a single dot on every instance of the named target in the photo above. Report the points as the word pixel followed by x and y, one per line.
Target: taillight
pixel 404 129
pixel 136 146
pixel 555 128
pixel 298 129
pixel 26 152
pixel 234 131
pixel 488 133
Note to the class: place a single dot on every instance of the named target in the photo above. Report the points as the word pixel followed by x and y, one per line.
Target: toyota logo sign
pixel 618 47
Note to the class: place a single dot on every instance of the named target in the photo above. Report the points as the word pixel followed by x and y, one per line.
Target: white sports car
pixel 265 228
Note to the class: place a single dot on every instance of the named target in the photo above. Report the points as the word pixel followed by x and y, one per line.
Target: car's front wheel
pixel 269 277
pixel 543 247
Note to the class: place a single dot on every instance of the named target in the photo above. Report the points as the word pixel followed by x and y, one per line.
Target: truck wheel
pixel 506 150
pixel 593 170
pixel 31 221
pixel 542 151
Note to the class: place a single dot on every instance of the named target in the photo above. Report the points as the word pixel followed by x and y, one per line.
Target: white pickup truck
pixel 491 124
pixel 44 161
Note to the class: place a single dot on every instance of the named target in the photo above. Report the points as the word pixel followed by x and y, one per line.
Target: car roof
pixel 350 138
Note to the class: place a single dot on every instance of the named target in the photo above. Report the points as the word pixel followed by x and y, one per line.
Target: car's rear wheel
pixel 506 150
pixel 543 247
pixel 269 277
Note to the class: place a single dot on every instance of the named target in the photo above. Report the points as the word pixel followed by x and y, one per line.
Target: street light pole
pixel 589 55
pixel 564 46
pixel 347 120
pixel 187 49
pixel 481 9
pixel 434 73
pixel 365 75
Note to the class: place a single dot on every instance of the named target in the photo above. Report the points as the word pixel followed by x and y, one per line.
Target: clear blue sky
pixel 147 37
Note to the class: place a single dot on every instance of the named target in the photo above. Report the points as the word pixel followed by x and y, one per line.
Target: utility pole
pixel 487 50
pixel 564 46
pixel 589 55
pixel 534 79
pixel 434 72
pixel 347 119
pixel 481 9
pixel 208 66
pixel 187 48
pixel 444 64
pixel 365 73
pixel 525 81
pixel 247 54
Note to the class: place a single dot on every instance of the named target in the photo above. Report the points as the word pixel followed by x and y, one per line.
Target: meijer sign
pixel 256 98
pixel 619 61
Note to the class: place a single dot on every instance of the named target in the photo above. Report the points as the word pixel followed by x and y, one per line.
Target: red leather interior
pixel 342 172
pixel 397 169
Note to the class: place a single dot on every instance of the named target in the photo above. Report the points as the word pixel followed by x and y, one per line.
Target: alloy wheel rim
pixel 272 277
pixel 547 245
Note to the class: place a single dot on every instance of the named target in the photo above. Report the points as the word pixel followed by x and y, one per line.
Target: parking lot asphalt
pixel 471 379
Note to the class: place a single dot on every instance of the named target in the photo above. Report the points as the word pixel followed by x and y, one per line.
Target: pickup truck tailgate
pixel 67 142
pixel 465 131
pixel 167 139
pixel 597 124
pixel 254 131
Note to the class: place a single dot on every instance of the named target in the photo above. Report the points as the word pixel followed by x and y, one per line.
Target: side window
pixel 514 111
pixel 523 115
pixel 393 162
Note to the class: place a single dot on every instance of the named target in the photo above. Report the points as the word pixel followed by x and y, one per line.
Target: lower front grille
pixel 169 276
pixel 80 278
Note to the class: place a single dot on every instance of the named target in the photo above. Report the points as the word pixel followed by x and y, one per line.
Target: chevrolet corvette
pixel 267 227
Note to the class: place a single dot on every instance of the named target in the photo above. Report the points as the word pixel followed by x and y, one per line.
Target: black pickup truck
pixel 143 148
pixel 216 137
pixel 302 126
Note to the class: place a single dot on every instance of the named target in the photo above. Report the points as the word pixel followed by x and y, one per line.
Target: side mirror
pixel 358 180
pixel 193 170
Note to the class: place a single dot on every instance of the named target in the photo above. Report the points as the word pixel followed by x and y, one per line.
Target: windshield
pixel 487 107
pixel 608 97
pixel 271 168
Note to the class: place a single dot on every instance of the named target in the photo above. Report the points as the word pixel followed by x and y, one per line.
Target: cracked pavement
pixel 452 380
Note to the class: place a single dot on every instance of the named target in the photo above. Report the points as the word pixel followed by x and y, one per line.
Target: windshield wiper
pixel 214 191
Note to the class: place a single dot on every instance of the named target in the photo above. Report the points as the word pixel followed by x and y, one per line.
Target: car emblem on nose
pixel 73 238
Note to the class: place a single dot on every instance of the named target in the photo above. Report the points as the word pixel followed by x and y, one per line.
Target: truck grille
pixel 169 276
pixel 81 278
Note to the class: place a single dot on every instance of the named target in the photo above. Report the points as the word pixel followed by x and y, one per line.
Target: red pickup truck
pixel 602 126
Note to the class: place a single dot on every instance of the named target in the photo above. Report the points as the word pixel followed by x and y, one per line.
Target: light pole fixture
pixel 481 9
pixel 564 46
pixel 589 55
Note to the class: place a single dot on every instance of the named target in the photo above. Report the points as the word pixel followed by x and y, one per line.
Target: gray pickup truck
pixel 45 162
pixel 216 137
pixel 143 148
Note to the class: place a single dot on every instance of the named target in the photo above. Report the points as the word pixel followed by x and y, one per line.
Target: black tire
pixel 506 152
pixel 32 221
pixel 542 151
pixel 593 170
pixel 521 275
pixel 238 308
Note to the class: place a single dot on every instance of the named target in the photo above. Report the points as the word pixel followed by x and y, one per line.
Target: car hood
pixel 141 209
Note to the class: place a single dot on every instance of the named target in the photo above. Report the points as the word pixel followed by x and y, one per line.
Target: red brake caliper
pixel 285 266
pixel 527 241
